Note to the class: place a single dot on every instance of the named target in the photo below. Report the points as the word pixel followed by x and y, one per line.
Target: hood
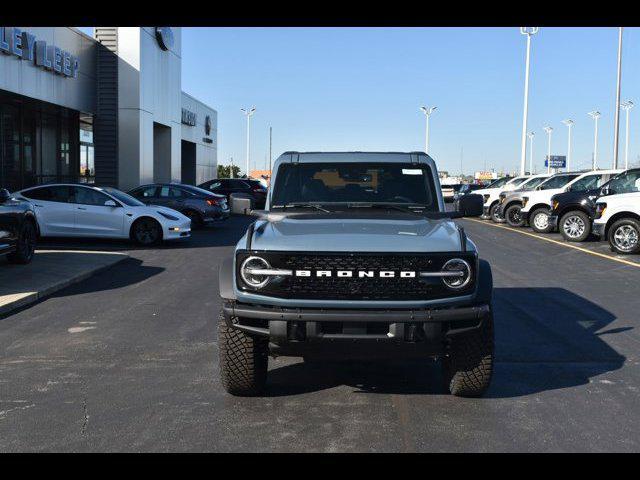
pixel 374 233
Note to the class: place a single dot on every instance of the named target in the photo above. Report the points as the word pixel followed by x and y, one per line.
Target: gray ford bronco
pixel 355 257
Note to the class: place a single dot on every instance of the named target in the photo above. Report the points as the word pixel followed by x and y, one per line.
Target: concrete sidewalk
pixel 50 271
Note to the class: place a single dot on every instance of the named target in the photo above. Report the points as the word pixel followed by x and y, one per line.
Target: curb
pixel 33 297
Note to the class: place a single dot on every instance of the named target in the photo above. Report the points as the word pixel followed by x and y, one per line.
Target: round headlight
pixel 461 268
pixel 252 279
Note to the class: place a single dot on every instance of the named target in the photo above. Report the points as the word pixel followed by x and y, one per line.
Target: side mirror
pixel 471 205
pixel 4 195
pixel 110 203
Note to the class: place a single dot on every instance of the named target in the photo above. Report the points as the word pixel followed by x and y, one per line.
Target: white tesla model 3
pixel 76 210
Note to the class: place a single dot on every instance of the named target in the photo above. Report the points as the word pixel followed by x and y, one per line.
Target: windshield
pixel 334 183
pixel 626 182
pixel 557 181
pixel 499 183
pixel 128 200
pixel 518 181
pixel 533 183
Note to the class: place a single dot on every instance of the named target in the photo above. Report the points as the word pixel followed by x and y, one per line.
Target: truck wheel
pixel 539 220
pixel 26 245
pixel 514 216
pixel 575 226
pixel 493 215
pixel 243 360
pixel 468 364
pixel 624 236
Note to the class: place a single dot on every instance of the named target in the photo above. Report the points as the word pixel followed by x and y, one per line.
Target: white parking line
pixel 564 244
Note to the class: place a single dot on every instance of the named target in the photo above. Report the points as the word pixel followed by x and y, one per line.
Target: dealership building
pixel 108 110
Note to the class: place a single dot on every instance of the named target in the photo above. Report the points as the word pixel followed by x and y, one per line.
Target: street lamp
pixel 531 135
pixel 248 112
pixel 595 115
pixel 616 127
pixel 548 130
pixel 528 31
pixel 569 123
pixel 427 112
pixel 626 106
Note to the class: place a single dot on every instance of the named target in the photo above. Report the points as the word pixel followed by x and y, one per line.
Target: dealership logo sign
pixel 207 125
pixel 25 46
pixel 189 117
pixel 164 36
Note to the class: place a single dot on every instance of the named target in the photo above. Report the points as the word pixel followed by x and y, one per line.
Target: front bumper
pixel 177 231
pixel 302 331
pixel 598 229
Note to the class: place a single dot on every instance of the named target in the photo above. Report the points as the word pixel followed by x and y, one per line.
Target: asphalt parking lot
pixel 127 361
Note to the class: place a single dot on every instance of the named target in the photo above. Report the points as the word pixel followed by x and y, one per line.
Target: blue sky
pixel 361 88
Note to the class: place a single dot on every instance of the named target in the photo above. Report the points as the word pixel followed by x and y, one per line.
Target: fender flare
pixel 485 282
pixel 225 279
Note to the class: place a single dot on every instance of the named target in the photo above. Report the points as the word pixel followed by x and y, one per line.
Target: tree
pixel 224 171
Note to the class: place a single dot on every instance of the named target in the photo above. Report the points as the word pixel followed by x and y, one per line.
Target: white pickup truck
pixel 491 194
pixel 536 205
pixel 617 216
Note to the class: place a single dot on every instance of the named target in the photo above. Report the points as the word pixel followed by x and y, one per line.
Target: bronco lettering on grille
pixel 360 273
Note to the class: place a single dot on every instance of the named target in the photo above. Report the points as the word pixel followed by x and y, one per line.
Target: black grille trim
pixel 368 289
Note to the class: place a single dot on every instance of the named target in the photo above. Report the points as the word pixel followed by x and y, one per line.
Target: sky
pixel 361 89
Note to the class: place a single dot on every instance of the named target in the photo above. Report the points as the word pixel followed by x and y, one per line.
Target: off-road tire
pixel 532 220
pixel 467 366
pixel 243 360
pixel 632 225
pixel 510 215
pixel 585 220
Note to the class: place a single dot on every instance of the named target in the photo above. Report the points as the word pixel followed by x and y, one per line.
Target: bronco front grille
pixel 354 288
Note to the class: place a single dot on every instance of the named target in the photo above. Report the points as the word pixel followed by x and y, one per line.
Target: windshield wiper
pixel 393 206
pixel 305 205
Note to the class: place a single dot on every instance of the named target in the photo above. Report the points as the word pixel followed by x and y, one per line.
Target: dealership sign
pixel 25 46
pixel 557 161
pixel 189 117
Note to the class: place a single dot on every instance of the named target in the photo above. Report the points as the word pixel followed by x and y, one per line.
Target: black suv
pixel 240 187
pixel 572 213
pixel 18 229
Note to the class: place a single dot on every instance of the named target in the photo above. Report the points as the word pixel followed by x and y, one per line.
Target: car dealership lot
pixel 127 361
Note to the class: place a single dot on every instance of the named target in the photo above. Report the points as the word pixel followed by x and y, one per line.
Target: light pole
pixel 569 123
pixel 626 106
pixel 231 172
pixel 616 128
pixel 528 31
pixel 531 135
pixel 427 112
pixel 595 115
pixel 548 130
pixel 248 112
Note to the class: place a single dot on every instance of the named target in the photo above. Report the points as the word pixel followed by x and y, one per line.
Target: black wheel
pixel 539 220
pixel 26 245
pixel 624 236
pixel 575 226
pixel 492 213
pixel 243 360
pixel 467 366
pixel 195 217
pixel 146 231
pixel 513 215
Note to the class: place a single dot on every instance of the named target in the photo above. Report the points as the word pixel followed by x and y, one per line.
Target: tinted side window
pixel 216 185
pixel 49 194
pixel 170 192
pixel 87 196
pixel 144 192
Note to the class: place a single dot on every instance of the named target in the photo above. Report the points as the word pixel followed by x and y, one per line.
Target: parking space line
pixel 564 244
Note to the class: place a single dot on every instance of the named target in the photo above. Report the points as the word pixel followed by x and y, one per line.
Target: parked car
pixel 536 205
pixel 466 189
pixel 340 269
pixel 75 210
pixel 449 191
pixel 617 217
pixel 201 206
pixel 242 187
pixel 491 193
pixel 510 202
pixel 18 228
pixel 573 212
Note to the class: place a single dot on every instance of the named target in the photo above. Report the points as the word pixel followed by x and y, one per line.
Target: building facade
pixel 107 110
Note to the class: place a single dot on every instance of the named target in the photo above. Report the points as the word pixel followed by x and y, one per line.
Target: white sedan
pixel 73 210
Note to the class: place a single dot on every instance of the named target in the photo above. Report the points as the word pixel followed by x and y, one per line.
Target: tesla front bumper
pixel 177 230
